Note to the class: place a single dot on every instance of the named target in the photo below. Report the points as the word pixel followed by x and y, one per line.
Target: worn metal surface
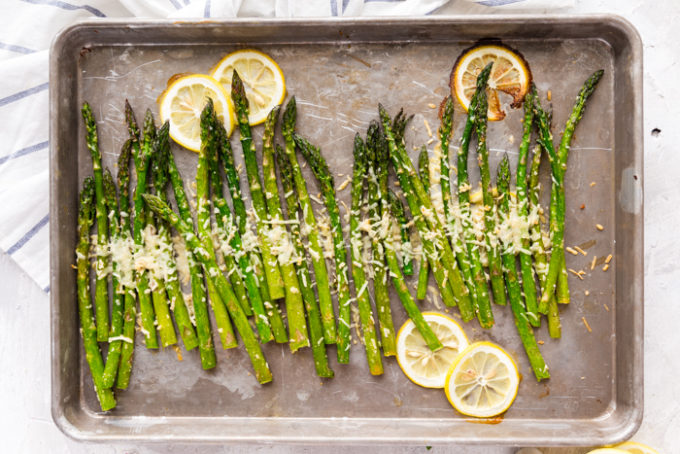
pixel 339 71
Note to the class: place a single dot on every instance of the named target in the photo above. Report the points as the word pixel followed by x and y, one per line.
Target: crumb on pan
pixel 585 322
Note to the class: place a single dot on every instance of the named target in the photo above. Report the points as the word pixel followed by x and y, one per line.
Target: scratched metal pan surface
pixel 339 70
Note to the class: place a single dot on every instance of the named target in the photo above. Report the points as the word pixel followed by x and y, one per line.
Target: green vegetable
pixel 311 304
pixel 373 357
pixel 514 290
pixel 315 249
pixel 222 285
pixel 101 298
pixel 271 268
pixel 87 323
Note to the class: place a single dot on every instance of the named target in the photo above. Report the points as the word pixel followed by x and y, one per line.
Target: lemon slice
pixel 182 104
pixel 483 381
pixel 420 364
pixel 633 447
pixel 262 77
pixel 510 74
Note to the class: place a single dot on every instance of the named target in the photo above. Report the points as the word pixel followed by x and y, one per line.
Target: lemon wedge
pixel 483 381
pixel 262 77
pixel 182 103
pixel 510 74
pixel 633 447
pixel 420 364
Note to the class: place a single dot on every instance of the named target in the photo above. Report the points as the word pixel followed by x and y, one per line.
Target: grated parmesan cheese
pixel 345 183
pixel 323 223
pixel 281 246
pixel 121 250
pixel 155 255
pixel 513 229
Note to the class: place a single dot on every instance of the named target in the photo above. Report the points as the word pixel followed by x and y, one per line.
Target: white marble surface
pixel 25 422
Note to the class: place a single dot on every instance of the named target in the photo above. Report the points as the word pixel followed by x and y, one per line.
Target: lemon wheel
pixel 483 381
pixel 510 74
pixel 633 447
pixel 420 364
pixel 182 103
pixel 262 77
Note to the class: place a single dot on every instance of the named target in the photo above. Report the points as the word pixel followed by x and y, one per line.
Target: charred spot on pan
pixel 84 51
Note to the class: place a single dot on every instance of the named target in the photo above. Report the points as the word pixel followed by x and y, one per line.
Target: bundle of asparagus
pixel 244 275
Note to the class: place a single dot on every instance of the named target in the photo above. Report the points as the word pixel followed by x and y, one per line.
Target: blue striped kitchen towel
pixel 28 28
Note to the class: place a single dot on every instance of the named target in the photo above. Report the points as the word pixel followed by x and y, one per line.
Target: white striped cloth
pixel 28 28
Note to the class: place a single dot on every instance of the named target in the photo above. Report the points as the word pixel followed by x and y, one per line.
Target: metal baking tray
pixel 339 70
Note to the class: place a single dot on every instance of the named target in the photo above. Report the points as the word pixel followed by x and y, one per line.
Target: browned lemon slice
pixel 510 74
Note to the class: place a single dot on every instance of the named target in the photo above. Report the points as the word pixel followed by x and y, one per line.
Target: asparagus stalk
pixel 295 306
pixel 130 310
pixel 171 280
pixel 229 231
pixel 430 253
pixel 565 145
pixel 528 281
pixel 399 127
pixel 87 323
pixel 200 250
pixel 206 347
pixel 271 269
pixel 555 261
pixel 514 290
pixel 254 261
pixel 323 174
pixel 356 244
pixel 484 313
pixel 544 269
pixel 166 329
pixel 399 213
pixel 495 266
pixel 447 273
pixel 424 272
pixel 380 169
pixel 220 207
pixel 224 220
pixel 311 305
pixel 445 181
pixel 404 166
pixel 315 249
pixel 379 231
pixel 540 257
pixel 562 288
pixel 119 292
pixel 111 198
pixel 558 162
pixel 142 155
pixel 101 299
pixel 537 245
pixel 219 306
pixel 444 140
pixel 325 178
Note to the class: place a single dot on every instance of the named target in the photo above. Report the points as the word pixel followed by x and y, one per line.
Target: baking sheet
pixel 339 71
